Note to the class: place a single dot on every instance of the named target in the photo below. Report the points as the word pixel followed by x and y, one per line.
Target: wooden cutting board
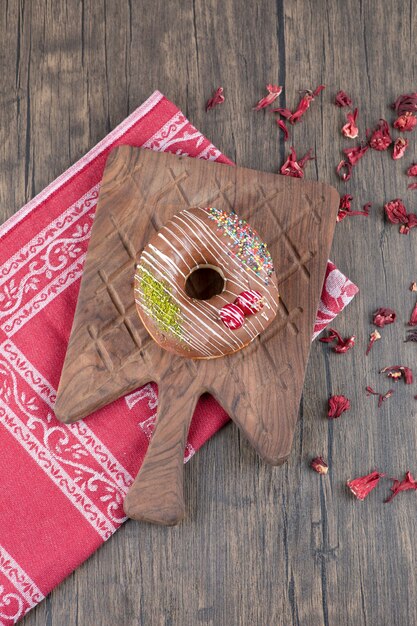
pixel 111 354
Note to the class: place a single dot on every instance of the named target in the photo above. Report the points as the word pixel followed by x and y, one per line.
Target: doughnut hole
pixel 204 282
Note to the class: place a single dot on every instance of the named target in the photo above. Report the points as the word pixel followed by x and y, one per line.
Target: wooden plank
pixel 299 550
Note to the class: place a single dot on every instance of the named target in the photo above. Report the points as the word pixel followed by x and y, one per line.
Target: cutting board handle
pixel 157 493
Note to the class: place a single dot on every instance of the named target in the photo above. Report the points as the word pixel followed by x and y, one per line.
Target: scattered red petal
pixel 294 168
pixel 396 213
pixel 374 336
pixel 407 103
pixel 273 93
pixel 412 186
pixel 404 485
pixel 350 129
pixel 342 345
pixel 345 176
pixel 361 487
pixel 302 107
pixel 380 138
pixel 218 98
pixel 345 208
pixel 398 371
pixel 356 153
pixel 413 318
pixel 284 128
pixel 319 465
pixel 342 100
pixel 412 170
pixel 413 286
pixel 400 146
pixel 405 122
pixel 381 397
pixel 337 405
pixel 383 316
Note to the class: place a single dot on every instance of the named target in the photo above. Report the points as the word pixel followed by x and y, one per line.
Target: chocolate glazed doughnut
pixel 205 285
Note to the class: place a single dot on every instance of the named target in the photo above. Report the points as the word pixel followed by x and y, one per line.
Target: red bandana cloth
pixel 62 487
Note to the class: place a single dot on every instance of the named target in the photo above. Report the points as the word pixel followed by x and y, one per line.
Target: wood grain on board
pixel 110 353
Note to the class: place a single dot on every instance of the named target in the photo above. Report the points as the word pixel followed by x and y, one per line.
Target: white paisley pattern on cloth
pixel 47 265
pixel 12 604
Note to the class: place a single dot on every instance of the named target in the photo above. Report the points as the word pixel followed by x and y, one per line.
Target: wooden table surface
pixel 261 546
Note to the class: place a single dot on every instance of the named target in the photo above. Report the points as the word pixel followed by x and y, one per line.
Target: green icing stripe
pixel 159 303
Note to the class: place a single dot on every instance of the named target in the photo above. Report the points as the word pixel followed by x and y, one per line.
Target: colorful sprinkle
pixel 246 244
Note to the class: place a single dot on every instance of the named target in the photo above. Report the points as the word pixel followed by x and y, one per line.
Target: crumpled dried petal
pixel 337 405
pixel 400 146
pixel 340 169
pixel 218 98
pixel 398 371
pixel 412 170
pixel 374 336
pixel 412 186
pixel 407 103
pixel 273 93
pixel 413 317
pixel 405 122
pixel 404 485
pixel 284 129
pixel 319 465
pixel 356 153
pixel 413 286
pixel 303 105
pixel 345 208
pixel 350 129
pixel 361 487
pixel 380 138
pixel 342 100
pixel 411 336
pixel 342 345
pixel 384 316
pixel 396 213
pixel 294 168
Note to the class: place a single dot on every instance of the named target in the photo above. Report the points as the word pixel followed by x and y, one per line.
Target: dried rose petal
pixel 361 487
pixel 413 286
pixel 337 405
pixel 344 175
pixel 342 99
pixel 302 107
pixel 319 465
pixel 383 316
pixel 218 98
pixel 411 336
pixel 380 138
pixel 398 371
pixel 342 345
pixel 407 103
pixel 284 129
pixel 273 93
pixel 350 129
pixel 374 336
pixel 412 170
pixel 413 317
pixel 404 485
pixel 294 168
pixel 412 186
pixel 405 122
pixel 356 153
pixel 400 146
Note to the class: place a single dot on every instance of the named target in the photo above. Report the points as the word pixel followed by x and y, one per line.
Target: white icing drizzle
pixel 188 235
